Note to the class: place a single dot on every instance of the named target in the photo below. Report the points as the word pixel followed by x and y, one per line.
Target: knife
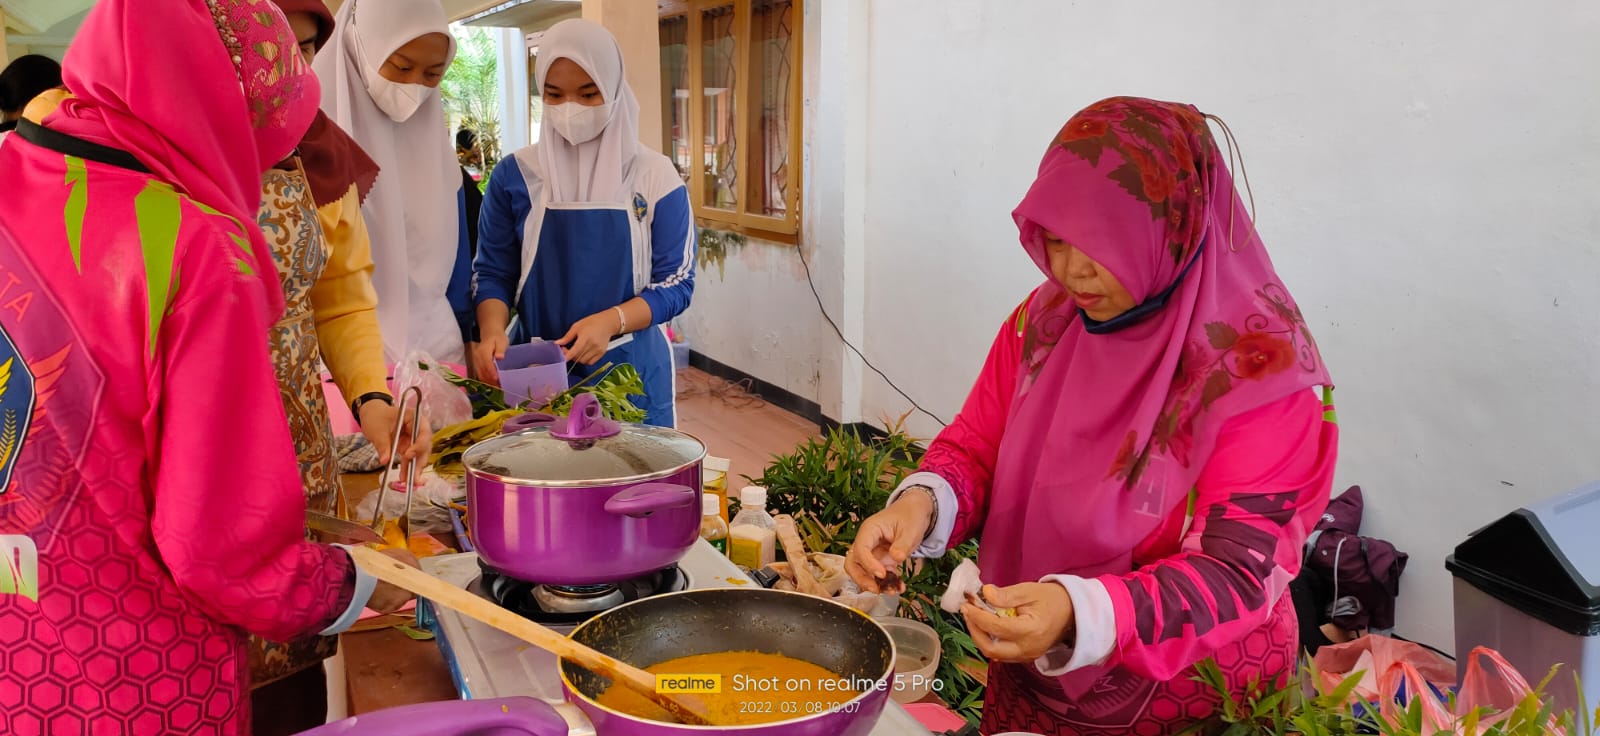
pixel 333 530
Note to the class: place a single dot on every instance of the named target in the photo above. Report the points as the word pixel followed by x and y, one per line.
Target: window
pixel 731 108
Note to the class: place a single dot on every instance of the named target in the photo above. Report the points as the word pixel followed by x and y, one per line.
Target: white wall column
pixel 837 36
pixel 513 89
pixel 637 28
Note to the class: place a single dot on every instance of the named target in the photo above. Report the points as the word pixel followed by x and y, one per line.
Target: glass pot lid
pixel 584 448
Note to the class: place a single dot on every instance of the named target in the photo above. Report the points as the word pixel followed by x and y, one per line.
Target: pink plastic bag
pixel 1374 655
pixel 1491 683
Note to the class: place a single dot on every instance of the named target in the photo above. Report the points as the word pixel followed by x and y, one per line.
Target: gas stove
pixel 563 607
pixel 487 663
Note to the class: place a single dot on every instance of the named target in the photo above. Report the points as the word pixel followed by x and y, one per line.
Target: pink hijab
pixel 1108 432
pixel 207 94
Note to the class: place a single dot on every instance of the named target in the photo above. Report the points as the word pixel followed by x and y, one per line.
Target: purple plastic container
pixel 584 500
pixel 532 372
pixel 500 717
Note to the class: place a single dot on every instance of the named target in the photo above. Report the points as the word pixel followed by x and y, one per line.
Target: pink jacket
pixel 148 459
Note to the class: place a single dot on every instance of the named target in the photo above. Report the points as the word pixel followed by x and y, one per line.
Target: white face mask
pixel 398 101
pixel 579 123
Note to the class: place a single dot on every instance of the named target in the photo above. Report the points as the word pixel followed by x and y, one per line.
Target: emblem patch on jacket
pixel 19 570
pixel 640 207
pixel 16 406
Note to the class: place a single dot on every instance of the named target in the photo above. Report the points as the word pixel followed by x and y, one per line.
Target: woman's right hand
pixel 387 598
pixel 886 540
pixel 484 354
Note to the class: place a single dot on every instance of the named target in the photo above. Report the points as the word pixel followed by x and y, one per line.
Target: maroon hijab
pixel 333 160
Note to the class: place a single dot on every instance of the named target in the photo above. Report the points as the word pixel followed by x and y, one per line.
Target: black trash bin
pixel 1525 586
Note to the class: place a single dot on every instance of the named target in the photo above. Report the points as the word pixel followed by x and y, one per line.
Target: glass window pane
pixel 718 73
pixel 772 28
pixel 675 92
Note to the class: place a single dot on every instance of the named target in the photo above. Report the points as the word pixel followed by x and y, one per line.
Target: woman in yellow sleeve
pixel 311 216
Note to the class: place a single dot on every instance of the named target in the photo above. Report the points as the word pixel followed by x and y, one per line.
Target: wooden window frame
pixel 784 229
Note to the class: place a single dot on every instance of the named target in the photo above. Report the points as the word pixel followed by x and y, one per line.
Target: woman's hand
pixel 1043 617
pixel 485 352
pixel 587 341
pixel 886 540
pixel 378 421
pixel 387 598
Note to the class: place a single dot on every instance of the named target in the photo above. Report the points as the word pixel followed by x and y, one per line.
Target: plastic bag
pixel 1374 655
pixel 1491 683
pixel 443 403
pixel 430 510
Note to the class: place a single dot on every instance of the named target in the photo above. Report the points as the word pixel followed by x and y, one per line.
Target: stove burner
pixel 570 605
pixel 577 599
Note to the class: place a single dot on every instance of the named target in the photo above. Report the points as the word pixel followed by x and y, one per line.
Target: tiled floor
pixel 736 425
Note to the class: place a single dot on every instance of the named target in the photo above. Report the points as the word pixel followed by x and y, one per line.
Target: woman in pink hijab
pixel 1143 454
pixel 151 512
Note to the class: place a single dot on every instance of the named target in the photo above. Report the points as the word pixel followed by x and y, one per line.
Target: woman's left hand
pixel 378 422
pixel 587 341
pixel 1043 617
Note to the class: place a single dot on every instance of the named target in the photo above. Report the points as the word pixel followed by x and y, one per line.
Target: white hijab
pixel 593 171
pixel 411 213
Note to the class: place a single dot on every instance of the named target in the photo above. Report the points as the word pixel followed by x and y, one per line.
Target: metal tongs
pixel 394 461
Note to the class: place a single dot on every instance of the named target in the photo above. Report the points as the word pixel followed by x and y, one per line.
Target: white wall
pixel 1427 179
pixel 761 317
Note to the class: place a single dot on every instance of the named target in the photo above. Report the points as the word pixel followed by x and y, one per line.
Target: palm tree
pixel 471 90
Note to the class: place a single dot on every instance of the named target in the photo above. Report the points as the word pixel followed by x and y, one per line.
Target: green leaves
pixel 830 484
pixel 415 633
pixel 1273 709
pixel 612 391
pixel 612 385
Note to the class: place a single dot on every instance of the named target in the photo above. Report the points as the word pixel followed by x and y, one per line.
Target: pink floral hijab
pixel 1108 432
pixel 207 94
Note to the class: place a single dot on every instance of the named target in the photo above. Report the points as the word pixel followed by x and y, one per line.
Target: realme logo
pixel 19 567
pixel 689 684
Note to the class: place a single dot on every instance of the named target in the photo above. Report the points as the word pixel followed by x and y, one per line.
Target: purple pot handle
pixel 517 716
pixel 526 421
pixel 586 422
pixel 647 498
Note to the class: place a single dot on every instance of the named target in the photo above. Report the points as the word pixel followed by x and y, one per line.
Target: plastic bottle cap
pixel 753 496
pixel 710 506
pixel 766 577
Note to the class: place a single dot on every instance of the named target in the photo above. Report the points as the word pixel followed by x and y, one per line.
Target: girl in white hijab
pixel 586 236
pixel 380 76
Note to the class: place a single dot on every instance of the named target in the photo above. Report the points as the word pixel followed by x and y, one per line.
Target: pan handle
pixel 647 498
pixel 517 716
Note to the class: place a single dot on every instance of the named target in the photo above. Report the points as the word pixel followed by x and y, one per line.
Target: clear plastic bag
pixel 444 403
pixel 430 510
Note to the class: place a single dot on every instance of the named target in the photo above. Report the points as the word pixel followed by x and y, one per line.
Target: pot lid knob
pixel 586 423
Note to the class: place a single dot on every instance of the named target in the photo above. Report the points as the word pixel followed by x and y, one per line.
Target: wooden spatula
pixel 687 709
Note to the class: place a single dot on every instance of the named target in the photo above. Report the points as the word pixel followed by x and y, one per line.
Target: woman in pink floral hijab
pixel 1142 456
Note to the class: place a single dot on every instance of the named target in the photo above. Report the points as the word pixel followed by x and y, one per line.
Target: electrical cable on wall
pixel 800 249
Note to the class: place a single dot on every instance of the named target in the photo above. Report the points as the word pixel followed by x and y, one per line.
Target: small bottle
pixel 712 528
pixel 753 535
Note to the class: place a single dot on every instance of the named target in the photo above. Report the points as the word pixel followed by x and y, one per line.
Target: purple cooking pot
pixel 837 638
pixel 584 500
